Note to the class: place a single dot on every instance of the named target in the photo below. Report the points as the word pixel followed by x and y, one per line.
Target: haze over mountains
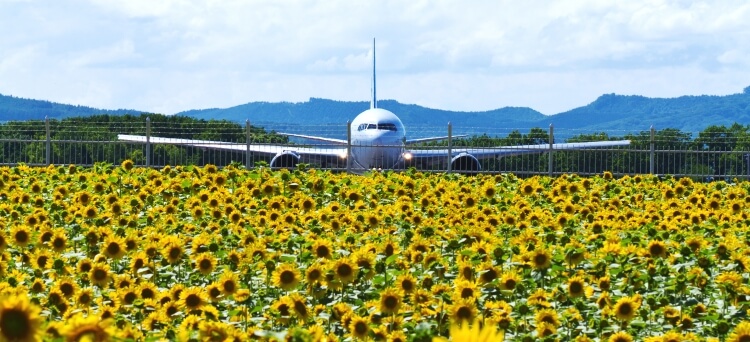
pixel 618 114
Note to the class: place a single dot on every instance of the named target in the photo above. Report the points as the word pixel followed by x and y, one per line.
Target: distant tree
pixel 79 140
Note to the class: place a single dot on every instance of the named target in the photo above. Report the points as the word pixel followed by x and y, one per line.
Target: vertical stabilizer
pixel 374 103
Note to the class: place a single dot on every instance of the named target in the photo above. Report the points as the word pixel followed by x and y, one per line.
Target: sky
pixel 168 56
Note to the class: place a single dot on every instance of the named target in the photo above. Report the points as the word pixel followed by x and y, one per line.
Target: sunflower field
pixel 202 253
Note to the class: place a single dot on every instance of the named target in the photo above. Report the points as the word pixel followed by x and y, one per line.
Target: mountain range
pixel 618 114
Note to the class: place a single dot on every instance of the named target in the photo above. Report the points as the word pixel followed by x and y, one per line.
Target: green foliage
pixel 78 140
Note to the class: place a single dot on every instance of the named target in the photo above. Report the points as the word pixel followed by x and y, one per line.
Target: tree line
pixel 92 139
pixel 716 151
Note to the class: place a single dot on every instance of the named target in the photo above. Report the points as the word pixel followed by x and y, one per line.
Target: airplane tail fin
pixel 374 103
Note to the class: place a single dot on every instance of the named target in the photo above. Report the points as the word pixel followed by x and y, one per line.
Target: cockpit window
pixel 381 127
pixel 387 127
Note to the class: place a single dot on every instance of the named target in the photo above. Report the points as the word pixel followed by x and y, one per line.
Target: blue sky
pixel 167 56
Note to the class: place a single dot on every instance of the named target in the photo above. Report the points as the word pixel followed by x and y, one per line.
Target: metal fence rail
pixel 680 154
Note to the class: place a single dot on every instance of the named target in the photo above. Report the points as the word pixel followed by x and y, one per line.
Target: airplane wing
pixel 421 140
pixel 508 151
pixel 312 137
pixel 304 154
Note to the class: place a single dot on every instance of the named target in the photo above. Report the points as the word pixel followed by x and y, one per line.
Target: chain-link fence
pixel 703 155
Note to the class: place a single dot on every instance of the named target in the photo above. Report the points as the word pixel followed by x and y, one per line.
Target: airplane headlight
pixel 342 155
pixel 407 156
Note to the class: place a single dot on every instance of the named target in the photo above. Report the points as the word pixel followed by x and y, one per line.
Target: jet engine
pixel 465 162
pixel 286 159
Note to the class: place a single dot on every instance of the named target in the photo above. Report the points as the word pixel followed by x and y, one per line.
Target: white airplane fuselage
pixel 377 140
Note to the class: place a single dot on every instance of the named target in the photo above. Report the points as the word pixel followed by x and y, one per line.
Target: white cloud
pixel 173 55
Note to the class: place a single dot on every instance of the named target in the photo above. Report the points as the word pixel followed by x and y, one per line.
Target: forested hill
pixel 339 112
pixel 16 108
pixel 610 112
pixel 687 113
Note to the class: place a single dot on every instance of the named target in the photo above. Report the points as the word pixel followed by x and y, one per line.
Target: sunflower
pixel 3 241
pixel 397 336
pixel 466 289
pixel 299 306
pixel 390 300
pixel 475 333
pixel 576 287
pixel 421 296
pixel 37 286
pixel 313 274
pixel 539 298
pixel 192 298
pixel 114 247
pixel 99 275
pixel 19 319
pixel 214 292
pixel 173 250
pixel 84 265
pixel 139 261
pixel 466 270
pixel 20 235
pixel 406 283
pixel 83 198
pixel 463 311
pixel 657 249
pixel 509 280
pixel 148 290
pixel 90 212
pixel 575 254
pixel 170 308
pixel 488 273
pixel 671 315
pixel 344 271
pixel 286 277
pixel 89 328
pixel 620 336
pixel 283 307
pixel 58 242
pixel 540 258
pixel 390 248
pixel 41 259
pixel 84 297
pixel 741 333
pixel 545 329
pixel 366 263
pixel 547 316
pixel 216 331
pixel 67 287
pixel 204 263
pixel 127 164
pixel 210 168
pixel 358 327
pixel 128 295
pixel 322 248
pixel 228 283
pixel 626 308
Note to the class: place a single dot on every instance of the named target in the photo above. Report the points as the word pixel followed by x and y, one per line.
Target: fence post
pixel 651 154
pixel 247 141
pixel 450 146
pixel 48 145
pixel 549 155
pixel 348 146
pixel 148 141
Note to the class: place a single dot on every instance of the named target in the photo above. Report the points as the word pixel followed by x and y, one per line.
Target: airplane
pixel 376 139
